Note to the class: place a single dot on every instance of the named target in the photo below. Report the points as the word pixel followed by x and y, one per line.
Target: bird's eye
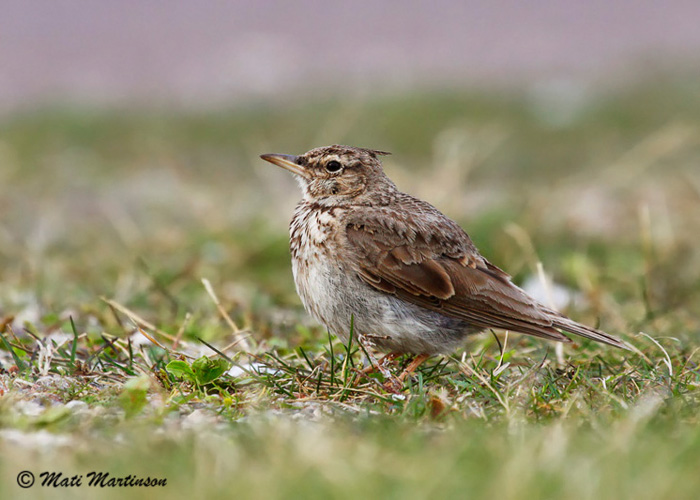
pixel 333 166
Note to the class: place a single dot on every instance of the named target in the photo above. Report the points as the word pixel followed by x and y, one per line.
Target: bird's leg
pixel 383 361
pixel 395 384
pixel 381 366
pixel 413 365
pixel 374 363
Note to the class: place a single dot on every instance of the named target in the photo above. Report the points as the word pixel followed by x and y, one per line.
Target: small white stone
pixel 198 419
pixel 29 408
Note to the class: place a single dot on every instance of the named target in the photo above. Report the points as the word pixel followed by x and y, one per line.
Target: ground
pixel 150 325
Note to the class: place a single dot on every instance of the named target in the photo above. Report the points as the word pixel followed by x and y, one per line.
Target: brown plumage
pixel 410 277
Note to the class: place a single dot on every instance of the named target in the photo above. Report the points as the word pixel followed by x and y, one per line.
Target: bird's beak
pixel 288 162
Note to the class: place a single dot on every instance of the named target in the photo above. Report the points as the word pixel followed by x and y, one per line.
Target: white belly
pixel 334 294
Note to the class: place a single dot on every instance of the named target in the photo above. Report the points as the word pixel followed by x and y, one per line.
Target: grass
pixel 116 356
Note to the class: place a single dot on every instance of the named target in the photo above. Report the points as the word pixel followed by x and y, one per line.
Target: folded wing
pixel 424 266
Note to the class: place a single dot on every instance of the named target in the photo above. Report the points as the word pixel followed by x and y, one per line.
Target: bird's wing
pixel 436 266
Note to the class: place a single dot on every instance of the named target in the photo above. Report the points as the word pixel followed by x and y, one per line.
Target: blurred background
pixel 213 53
pixel 130 131
pixel 565 133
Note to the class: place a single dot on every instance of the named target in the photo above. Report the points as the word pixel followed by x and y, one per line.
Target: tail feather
pixel 571 326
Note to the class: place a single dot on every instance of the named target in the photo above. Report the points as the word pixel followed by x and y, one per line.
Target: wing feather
pixel 443 272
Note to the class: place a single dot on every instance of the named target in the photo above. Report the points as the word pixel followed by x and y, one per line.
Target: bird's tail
pixel 571 326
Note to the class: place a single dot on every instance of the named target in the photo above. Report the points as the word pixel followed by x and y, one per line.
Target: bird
pixel 372 261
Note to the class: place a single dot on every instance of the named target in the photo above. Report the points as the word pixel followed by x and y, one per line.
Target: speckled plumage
pixel 410 277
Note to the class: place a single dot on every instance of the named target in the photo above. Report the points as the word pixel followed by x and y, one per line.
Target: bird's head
pixel 336 175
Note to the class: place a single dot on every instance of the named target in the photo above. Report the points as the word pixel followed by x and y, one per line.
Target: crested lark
pixel 409 276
